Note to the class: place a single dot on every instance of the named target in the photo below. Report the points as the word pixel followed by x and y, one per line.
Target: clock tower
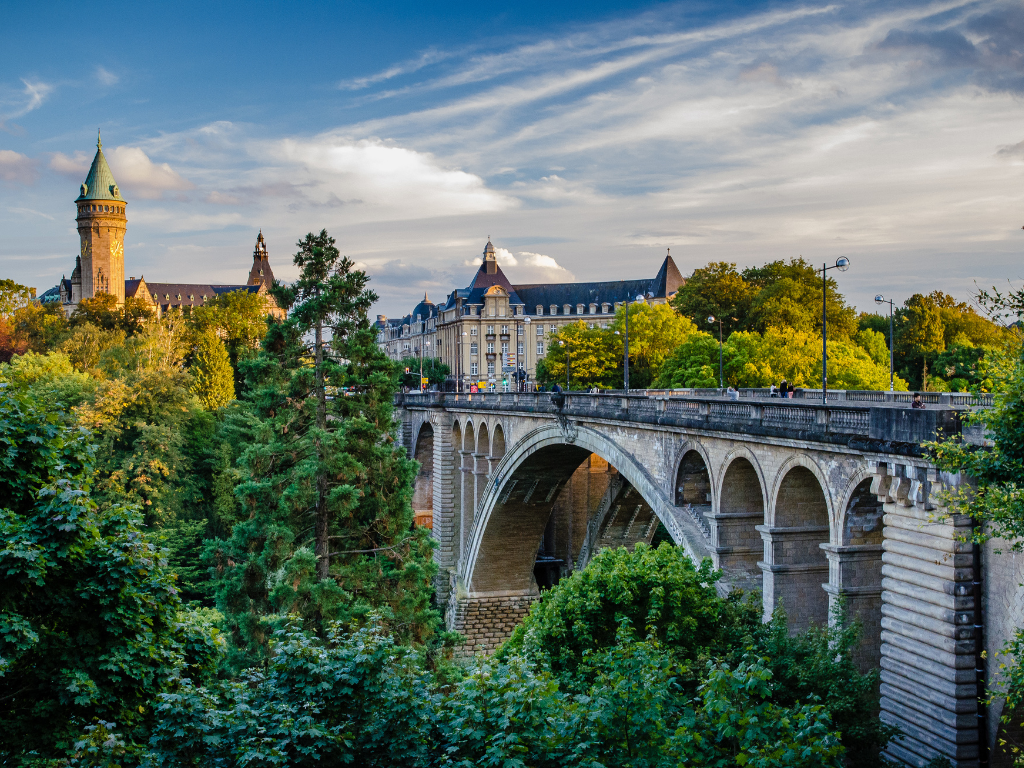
pixel 101 226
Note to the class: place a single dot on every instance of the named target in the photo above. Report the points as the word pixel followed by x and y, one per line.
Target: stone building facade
pixel 99 268
pixel 492 323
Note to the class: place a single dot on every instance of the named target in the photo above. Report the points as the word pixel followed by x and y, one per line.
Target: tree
pixel 102 311
pixel 789 294
pixel 690 364
pixel 592 356
pixel 716 290
pixel 326 530
pixel 239 318
pixel 13 296
pixel 89 615
pixel 212 377
pixel 654 331
pixel 920 335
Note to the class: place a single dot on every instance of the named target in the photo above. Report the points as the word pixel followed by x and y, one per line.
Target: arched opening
pixel 481 465
pixel 423 486
pixel 456 458
pixel 693 487
pixel 498 443
pixel 797 568
pixel 735 538
pixel 855 570
pixel 465 485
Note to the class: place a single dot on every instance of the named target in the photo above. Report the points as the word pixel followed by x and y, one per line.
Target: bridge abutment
pixel 486 619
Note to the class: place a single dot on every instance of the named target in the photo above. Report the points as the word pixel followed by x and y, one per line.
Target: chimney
pixel 382 319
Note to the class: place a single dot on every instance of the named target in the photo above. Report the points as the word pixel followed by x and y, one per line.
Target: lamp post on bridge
pixel 625 378
pixel 721 378
pixel 842 264
pixel 879 299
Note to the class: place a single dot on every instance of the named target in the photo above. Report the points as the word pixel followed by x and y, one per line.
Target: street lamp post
pixel 879 299
pixel 721 378
pixel 458 367
pixel 625 377
pixel 565 344
pixel 842 264
pixel 422 345
pixel 526 341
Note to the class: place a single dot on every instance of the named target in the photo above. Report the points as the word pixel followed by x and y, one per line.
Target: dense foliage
pixel 90 620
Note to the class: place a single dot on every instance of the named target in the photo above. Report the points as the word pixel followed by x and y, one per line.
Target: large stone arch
pixel 423 484
pixel 796 567
pixel 497 442
pixel 487 542
pixel 740 510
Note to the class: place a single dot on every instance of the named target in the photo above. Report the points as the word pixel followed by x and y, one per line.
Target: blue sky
pixel 585 138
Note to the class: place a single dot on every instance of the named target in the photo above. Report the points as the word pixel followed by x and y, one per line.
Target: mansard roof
pixel 560 294
pixel 100 184
pixel 188 294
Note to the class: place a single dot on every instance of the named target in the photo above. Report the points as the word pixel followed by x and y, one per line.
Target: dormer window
pixel 593 309
pixel 566 310
pixel 540 309
pixel 579 309
pixel 604 308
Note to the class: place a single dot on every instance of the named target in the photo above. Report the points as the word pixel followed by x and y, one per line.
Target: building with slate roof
pixel 99 267
pixel 492 324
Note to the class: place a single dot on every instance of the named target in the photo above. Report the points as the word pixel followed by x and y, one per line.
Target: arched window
pixel 566 310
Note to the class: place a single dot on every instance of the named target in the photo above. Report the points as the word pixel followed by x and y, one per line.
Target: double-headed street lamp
pixel 879 299
pixel 563 343
pixel 842 264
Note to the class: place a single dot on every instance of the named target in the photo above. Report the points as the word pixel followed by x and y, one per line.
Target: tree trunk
pixel 323 561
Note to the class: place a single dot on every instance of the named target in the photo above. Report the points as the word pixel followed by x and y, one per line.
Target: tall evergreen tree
pixel 213 379
pixel 327 526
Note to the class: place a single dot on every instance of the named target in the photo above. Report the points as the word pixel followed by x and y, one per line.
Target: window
pixel 490 347
pixel 474 369
pixel 540 329
pixel 504 348
pixel 519 330
pixel 540 348
pixel 501 310
pixel 554 310
pixel 579 309
pixel 590 326
pixel 554 328
pixel 540 309
pixel 604 308
pixel 566 310
pixel 473 348
pixel 490 330
pixel 504 330
pixel 519 349
pixel 593 309
pixel 490 368
pixel 472 331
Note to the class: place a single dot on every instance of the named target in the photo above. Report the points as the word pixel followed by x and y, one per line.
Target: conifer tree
pixel 325 488
pixel 213 380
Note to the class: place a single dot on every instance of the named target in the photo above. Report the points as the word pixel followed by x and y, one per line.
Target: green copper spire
pixel 100 184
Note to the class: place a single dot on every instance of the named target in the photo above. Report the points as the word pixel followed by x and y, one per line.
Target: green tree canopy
pixel 433 369
pixel 13 296
pixel 716 290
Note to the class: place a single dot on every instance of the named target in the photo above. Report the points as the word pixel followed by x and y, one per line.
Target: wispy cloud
pixel 425 59
pixel 105 76
pixel 19 104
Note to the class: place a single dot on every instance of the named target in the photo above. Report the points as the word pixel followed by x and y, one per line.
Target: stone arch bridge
pixel 803 502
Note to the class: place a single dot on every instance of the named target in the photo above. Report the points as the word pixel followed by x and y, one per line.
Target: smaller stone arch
pixel 855 564
pixel 796 567
pixel 423 485
pixel 498 443
pixel 693 489
pixel 739 510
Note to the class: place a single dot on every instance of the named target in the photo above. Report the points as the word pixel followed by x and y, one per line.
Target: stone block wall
pixel 928 668
pixel 486 621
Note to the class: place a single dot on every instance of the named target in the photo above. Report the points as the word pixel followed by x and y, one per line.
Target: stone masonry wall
pixel 487 621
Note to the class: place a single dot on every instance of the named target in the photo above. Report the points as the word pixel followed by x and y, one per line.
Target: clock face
pixel 116 249
pixel 86 247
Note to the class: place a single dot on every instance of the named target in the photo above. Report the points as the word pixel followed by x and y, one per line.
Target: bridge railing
pixel 839 421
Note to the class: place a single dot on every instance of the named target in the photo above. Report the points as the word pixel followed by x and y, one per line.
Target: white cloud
pixel 431 56
pixel 393 180
pixel 140 176
pixel 16 167
pixel 105 76
pixel 75 167
pixel 528 267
